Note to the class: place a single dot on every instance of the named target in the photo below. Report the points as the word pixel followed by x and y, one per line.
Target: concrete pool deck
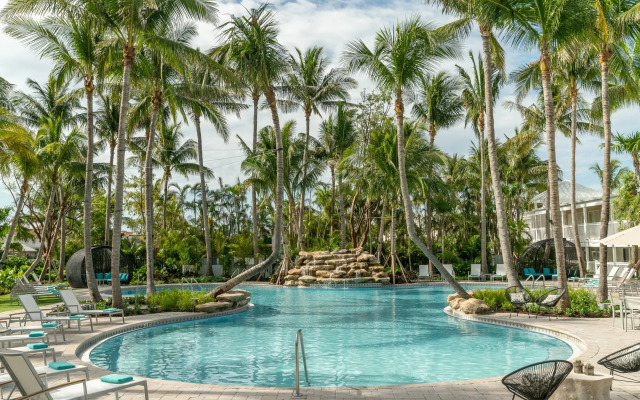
pixel 594 337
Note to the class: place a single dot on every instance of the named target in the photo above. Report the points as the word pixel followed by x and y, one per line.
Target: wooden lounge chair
pixel 31 386
pixel 75 308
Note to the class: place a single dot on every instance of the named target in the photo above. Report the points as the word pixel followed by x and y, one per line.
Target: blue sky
pixel 332 24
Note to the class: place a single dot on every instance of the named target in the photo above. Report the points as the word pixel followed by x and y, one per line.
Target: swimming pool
pixel 353 337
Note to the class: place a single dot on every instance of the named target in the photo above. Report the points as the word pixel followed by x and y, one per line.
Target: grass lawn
pixel 5 306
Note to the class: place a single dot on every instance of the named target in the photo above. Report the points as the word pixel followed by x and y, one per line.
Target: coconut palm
pixel 615 22
pixel 617 172
pixel 400 57
pixel 629 144
pixel 488 15
pixel 253 47
pixel 71 44
pixel 474 98
pixel 550 25
pixel 311 86
pixel 106 130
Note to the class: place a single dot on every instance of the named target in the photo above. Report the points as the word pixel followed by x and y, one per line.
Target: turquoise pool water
pixel 353 337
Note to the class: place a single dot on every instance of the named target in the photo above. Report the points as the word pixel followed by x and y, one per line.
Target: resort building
pixel 589 206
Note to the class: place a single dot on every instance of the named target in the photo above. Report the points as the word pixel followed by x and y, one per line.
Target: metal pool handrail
pixel 304 361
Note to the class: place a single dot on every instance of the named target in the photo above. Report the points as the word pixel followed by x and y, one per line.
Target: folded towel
pixel 50 325
pixel 37 346
pixel 110 309
pixel 36 334
pixel 115 378
pixel 61 365
pixel 77 316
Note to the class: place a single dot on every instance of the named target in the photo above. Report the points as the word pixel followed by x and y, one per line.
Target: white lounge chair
pixel 424 272
pixel 34 313
pixel 31 386
pixel 596 278
pixel 75 308
pixel 53 327
pixel 501 272
pixel 475 272
pixel 9 338
pixel 46 372
pixel 27 351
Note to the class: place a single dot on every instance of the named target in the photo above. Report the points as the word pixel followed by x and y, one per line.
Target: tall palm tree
pixel 401 55
pixel 71 44
pixel 550 25
pixel 311 86
pixel 474 98
pixel 615 22
pixel 629 144
pixel 617 172
pixel 253 47
pixel 488 15
pixel 106 129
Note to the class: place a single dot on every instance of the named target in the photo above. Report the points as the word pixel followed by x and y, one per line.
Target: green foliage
pixel 177 300
pixel 626 204
pixel 180 249
pixel 13 268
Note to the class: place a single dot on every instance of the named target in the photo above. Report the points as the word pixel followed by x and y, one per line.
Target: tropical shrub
pixel 177 300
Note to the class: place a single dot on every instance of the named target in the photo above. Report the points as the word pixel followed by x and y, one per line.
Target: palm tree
pixel 401 55
pixel 437 104
pixel 474 98
pixel 550 25
pixel 106 129
pixel 629 144
pixel 253 47
pixel 310 86
pixel 71 45
pixel 488 16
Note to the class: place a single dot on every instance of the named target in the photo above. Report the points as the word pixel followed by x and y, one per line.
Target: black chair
pixel 517 297
pixel 537 381
pixel 550 299
pixel 623 361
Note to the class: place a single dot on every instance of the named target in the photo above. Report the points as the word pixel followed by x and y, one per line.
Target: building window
pixel 593 216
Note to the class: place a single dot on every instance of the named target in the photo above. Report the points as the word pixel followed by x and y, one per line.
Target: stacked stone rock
pixel 353 266
pixel 227 301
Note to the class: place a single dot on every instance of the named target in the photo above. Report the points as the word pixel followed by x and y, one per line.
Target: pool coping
pixel 577 344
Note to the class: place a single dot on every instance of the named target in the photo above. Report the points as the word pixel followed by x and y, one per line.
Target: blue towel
pixel 77 316
pixel 36 334
pixel 61 365
pixel 37 346
pixel 117 379
pixel 50 325
pixel 110 309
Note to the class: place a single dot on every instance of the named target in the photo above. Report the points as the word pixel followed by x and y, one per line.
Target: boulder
pixel 305 254
pixel 322 257
pixel 291 283
pixel 244 302
pixel 344 267
pixel 295 271
pixel 323 274
pixel 376 268
pixel 364 280
pixel 338 274
pixel 473 306
pixel 380 275
pixel 300 261
pixel 340 251
pixel 382 280
pixel 351 273
pixel 325 267
pixel 455 303
pixel 451 297
pixel 307 279
pixel 368 258
pixel 231 297
pixel 291 278
pixel 356 250
pixel 358 265
pixel 361 273
pixel 337 261
pixel 214 307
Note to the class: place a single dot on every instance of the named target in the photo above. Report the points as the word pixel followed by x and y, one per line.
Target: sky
pixel 332 24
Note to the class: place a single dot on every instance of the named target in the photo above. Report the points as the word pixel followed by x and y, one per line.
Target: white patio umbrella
pixel 628 237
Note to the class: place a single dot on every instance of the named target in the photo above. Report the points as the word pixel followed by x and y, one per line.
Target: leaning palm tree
pixel 615 23
pixel 488 15
pixel 550 25
pixel 474 98
pixel 71 45
pixel 310 86
pixel 400 57
pixel 253 47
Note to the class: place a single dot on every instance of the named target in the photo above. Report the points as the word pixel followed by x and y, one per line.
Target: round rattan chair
pixel 550 299
pixel 517 297
pixel 537 381
pixel 623 361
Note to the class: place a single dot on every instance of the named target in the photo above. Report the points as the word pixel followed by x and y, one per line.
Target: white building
pixel 589 205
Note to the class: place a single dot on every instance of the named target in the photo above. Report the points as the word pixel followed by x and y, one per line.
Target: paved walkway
pixel 598 336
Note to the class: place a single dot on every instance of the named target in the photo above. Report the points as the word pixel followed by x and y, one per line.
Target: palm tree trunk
pixel 165 192
pixel 408 206
pixel 16 218
pixel 203 194
pixel 305 152
pixel 45 228
pixel 550 128
pixel 605 55
pixel 148 197
pixel 429 227
pixel 92 283
pixel 483 206
pixel 636 166
pixel 582 265
pixel 254 199
pixel 343 219
pixel 63 245
pixel 116 240
pixel 501 211
pixel 547 214
pixel 107 219
pixel 277 225
pixel 393 241
pixel 381 229
pixel 333 197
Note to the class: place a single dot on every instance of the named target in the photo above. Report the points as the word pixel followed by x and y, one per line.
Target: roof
pixel 583 194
